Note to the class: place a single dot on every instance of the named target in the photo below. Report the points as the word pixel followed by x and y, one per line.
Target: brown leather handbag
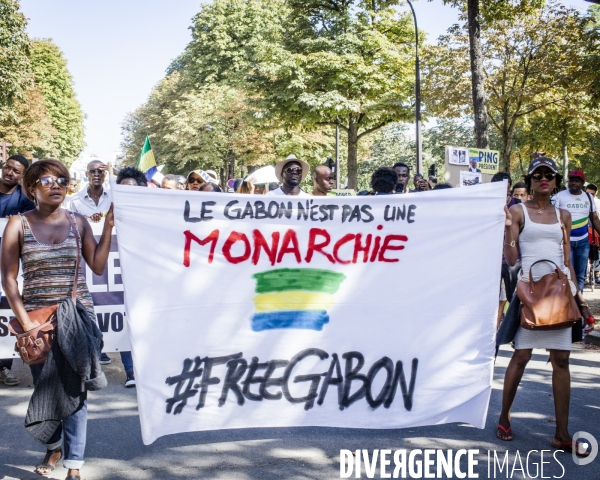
pixel 34 345
pixel 548 304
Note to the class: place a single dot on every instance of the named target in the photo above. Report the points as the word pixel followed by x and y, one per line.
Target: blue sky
pixel 118 50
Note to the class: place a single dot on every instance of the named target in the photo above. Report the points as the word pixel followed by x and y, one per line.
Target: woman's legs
pixel 55 441
pixel 512 378
pixel 74 428
pixel 561 387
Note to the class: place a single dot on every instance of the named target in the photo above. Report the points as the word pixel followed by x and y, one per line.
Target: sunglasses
pixel 48 182
pixel 537 177
pixel 293 170
pixel 96 171
pixel 195 180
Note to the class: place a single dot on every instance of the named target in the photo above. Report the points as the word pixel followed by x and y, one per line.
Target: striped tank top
pixel 49 271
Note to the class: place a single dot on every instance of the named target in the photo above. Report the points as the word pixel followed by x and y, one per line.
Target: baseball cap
pixel 541 162
pixel 577 173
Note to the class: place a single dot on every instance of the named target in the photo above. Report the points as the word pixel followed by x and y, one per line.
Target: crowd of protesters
pixel 49 215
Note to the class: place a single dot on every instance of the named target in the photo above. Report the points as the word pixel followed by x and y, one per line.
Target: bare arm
pixel 512 228
pixel 595 221
pixel 9 265
pixel 96 253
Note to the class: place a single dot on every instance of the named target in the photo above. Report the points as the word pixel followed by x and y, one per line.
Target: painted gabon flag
pixel 294 298
pixel 147 163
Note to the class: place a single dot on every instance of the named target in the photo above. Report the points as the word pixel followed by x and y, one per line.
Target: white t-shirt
pixel 279 192
pixel 579 208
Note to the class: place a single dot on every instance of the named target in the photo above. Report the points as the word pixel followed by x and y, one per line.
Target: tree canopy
pixel 56 84
pixel 15 68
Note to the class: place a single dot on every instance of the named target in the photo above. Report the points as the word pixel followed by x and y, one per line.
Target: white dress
pixel 538 241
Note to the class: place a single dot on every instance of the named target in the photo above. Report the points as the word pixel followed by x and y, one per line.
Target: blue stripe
pixel 150 173
pixel 306 319
pixel 580 232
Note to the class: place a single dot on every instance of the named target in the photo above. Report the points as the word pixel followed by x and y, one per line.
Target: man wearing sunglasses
pixel 291 172
pixel 12 202
pixel 94 201
pixel 582 208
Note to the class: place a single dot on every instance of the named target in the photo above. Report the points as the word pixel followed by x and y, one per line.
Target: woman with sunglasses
pixel 196 178
pixel 45 242
pixel 534 229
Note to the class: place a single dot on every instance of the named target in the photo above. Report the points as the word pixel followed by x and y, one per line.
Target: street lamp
pixel 418 94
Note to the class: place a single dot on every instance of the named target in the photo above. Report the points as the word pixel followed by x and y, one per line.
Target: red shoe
pixel 504 434
pixel 568 447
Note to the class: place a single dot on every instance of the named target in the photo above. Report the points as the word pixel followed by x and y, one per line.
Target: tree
pixel 487 11
pixel 56 84
pixel 226 38
pixel 531 62
pixel 340 62
pixel 30 130
pixel 197 128
pixel 15 69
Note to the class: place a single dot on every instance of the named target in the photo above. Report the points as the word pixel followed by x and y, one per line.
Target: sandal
pixel 568 447
pixel 504 434
pixel 45 462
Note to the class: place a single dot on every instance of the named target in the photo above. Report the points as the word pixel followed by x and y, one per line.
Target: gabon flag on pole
pixel 147 163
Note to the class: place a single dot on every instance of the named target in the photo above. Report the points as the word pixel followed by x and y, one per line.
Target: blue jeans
pixel 72 428
pixel 580 252
pixel 127 361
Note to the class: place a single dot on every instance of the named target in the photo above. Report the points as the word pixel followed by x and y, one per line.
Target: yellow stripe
pixel 147 161
pixel 293 300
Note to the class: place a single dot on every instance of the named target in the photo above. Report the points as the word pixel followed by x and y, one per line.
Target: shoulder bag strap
pixel 565 240
pixel 591 217
pixel 77 241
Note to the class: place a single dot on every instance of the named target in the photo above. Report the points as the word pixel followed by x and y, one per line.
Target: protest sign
pixel 487 160
pixel 367 312
pixel 107 292
pixel 468 179
pixel 457 156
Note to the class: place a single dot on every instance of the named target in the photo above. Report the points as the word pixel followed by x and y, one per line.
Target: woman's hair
pixel 384 180
pixel 557 188
pixel 132 172
pixel 245 187
pixel 41 168
pixel 216 188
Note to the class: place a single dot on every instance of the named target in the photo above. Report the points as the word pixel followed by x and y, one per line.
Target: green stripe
pixel 580 223
pixel 307 279
pixel 145 149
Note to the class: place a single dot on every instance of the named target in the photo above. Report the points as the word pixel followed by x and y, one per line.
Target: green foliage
pixel 226 37
pixel 531 63
pixel 15 68
pixel 340 62
pixel 56 83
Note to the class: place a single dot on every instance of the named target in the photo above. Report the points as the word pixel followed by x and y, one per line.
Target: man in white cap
pixel 291 172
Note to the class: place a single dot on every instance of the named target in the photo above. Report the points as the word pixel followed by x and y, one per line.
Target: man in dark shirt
pixel 12 202
pixel 12 198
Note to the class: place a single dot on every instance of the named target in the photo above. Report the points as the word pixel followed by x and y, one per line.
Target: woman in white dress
pixel 535 229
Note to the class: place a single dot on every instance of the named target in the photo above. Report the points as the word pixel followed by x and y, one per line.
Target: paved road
pixel 115 449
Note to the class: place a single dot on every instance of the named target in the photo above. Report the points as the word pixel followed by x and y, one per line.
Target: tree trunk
pixel 565 154
pixel 477 77
pixel 352 154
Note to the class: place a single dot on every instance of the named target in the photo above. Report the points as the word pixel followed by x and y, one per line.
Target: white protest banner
pixel 107 292
pixel 271 311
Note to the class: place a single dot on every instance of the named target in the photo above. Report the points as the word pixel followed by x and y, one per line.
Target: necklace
pixel 541 210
